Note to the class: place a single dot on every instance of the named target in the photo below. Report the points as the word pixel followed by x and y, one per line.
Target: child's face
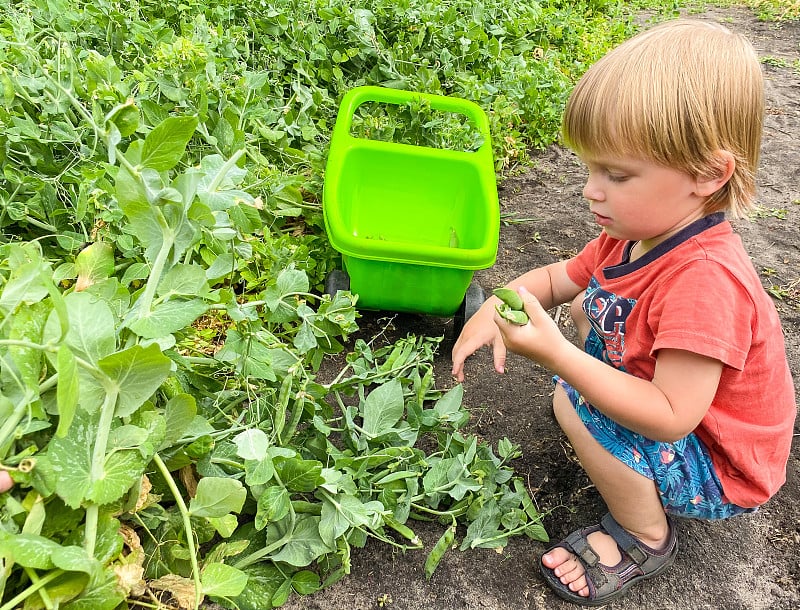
pixel 636 199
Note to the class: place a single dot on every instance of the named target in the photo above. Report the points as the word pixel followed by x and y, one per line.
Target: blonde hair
pixel 675 95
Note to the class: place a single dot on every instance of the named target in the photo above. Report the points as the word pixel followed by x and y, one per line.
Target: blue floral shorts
pixel 682 471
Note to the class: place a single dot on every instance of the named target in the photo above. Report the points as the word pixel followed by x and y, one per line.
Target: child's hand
pixel 6 482
pixel 539 339
pixel 479 331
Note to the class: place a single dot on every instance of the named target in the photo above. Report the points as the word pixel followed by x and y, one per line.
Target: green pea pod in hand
pixel 512 308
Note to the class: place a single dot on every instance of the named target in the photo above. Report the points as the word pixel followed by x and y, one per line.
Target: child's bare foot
pixel 571 571
pixel 589 565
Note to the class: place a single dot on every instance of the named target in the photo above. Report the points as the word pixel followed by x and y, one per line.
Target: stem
pixel 49 347
pixel 261 553
pixel 146 300
pixel 23 595
pixel 438 513
pixel 201 360
pixel 48 384
pixel 97 469
pixel 224 170
pixel 187 526
pixel 337 384
pixel 46 601
pixel 7 436
pixel 42 225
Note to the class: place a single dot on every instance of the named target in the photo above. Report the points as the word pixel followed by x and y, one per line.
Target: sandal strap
pixel 579 545
pixel 624 540
pixel 641 554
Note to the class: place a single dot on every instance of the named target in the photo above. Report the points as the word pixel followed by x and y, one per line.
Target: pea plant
pixel 144 463
pixel 183 412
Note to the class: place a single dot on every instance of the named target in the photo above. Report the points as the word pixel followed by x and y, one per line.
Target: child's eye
pixel 617 177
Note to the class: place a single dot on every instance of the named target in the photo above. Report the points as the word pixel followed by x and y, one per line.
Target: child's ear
pixel 718 172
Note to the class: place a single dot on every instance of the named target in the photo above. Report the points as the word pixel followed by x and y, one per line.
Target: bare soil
pixel 746 563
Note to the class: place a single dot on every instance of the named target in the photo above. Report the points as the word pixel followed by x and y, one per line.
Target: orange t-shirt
pixel 698 291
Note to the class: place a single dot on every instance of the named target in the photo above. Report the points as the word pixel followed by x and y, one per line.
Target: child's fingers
pixel 499 355
pixel 6 482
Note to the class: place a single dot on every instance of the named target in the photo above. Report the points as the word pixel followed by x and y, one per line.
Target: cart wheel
pixel 472 302
pixel 337 280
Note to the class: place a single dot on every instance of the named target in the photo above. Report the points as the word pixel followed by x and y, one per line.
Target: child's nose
pixel 591 190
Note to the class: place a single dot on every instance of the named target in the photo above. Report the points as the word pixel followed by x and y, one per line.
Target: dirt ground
pixel 747 563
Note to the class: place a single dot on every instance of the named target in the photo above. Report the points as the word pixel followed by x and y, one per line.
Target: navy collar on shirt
pixel 626 266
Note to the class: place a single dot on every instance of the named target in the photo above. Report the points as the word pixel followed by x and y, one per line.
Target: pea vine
pixel 182 410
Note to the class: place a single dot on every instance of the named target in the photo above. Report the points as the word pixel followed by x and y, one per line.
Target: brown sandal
pixel 606 583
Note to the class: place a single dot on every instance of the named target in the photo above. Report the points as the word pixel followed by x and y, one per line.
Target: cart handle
pixel 360 95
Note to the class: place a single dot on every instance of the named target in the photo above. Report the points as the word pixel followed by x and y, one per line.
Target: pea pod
pixel 439 549
pixel 512 308
pixel 510 297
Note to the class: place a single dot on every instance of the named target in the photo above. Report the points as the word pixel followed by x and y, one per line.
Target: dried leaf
pixel 181 589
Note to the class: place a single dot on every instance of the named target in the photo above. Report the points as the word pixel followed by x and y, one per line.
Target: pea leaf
pixel 280 296
pixel 179 413
pixel 217 496
pixel 305 582
pixel 383 408
pixel 305 545
pixel 74 559
pixel 252 444
pixel 132 197
pixel 94 263
pixel 259 472
pixel 217 187
pixel 165 145
pixel 184 280
pixel 341 512
pixel 102 593
pixel 449 408
pixel 138 372
pixel 484 532
pixel 299 474
pixel 273 505
pixel 24 286
pixel 167 318
pixel 225 526
pixel 91 335
pixel 70 459
pixel 27 324
pixel 29 550
pixel 263 581
pixel 222 580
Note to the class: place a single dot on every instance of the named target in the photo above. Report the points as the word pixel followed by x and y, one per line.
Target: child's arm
pixel 664 409
pixel 551 285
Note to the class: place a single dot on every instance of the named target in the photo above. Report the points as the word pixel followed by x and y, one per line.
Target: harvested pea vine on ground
pixel 161 318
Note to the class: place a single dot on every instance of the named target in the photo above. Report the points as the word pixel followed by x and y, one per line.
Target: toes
pixel 556 557
pixel 579 586
pixel 567 569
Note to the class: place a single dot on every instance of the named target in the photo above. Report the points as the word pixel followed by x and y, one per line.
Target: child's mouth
pixel 601 220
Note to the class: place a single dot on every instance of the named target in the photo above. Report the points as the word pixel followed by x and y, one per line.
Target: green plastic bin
pixel 412 223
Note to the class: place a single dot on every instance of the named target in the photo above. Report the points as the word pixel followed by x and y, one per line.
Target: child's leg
pixel 632 499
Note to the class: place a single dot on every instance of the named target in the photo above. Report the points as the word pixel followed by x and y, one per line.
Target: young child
pixel 681 401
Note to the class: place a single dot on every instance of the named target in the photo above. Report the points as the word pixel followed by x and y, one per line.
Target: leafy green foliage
pixel 99 385
pixel 161 323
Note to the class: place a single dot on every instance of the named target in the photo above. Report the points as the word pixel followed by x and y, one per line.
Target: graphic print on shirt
pixel 607 313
